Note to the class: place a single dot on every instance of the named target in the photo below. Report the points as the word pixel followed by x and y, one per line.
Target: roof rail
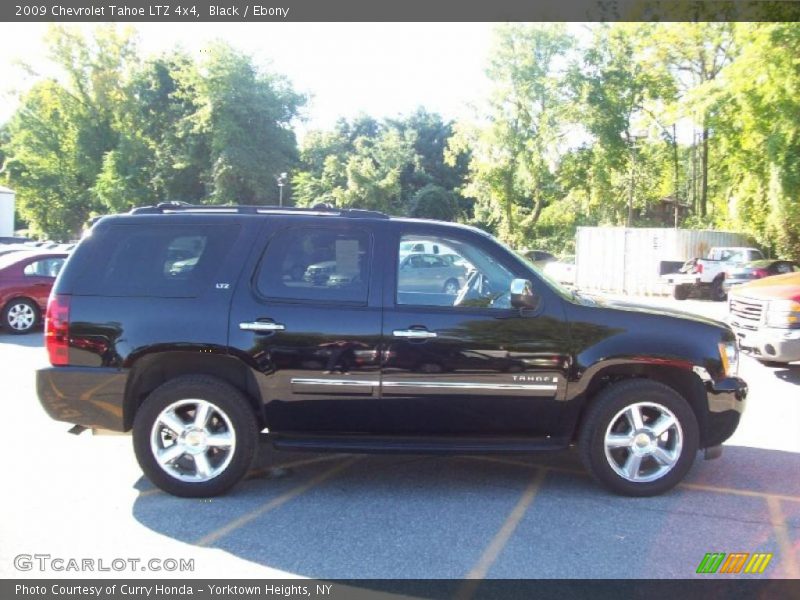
pixel 317 209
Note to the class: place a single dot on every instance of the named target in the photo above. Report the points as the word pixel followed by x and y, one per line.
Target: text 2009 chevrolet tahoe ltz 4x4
pixel 197 328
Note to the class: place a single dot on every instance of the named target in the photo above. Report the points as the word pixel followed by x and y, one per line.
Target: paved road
pixel 340 516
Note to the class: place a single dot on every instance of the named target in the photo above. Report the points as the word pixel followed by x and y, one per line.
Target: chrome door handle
pixel 261 326
pixel 414 334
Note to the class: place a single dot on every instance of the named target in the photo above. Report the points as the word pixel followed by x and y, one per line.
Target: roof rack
pixel 316 210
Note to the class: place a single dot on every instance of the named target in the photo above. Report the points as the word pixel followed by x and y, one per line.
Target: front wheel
pixel 639 438
pixel 718 292
pixel 195 436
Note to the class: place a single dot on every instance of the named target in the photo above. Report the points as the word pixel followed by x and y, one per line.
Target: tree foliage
pixel 113 131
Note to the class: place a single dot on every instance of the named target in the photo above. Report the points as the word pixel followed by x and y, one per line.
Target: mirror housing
pixel 522 295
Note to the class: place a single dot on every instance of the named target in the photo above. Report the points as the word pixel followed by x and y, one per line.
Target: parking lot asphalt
pixel 353 516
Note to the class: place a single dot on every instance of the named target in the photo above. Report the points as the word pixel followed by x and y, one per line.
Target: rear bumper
pixel 88 396
pixel 726 403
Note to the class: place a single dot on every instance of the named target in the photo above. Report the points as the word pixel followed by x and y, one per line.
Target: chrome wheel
pixel 451 287
pixel 20 316
pixel 193 440
pixel 643 442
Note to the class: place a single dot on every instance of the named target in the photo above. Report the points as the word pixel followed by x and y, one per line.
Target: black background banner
pixel 396 10
pixel 309 589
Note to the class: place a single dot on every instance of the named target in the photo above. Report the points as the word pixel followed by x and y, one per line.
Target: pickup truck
pixel 708 274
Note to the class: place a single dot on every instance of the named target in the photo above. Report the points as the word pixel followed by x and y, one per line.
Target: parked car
pixel 765 314
pixel 563 270
pixel 26 278
pixel 708 274
pixel 756 270
pixel 11 239
pixel 429 273
pixel 539 258
pixel 195 367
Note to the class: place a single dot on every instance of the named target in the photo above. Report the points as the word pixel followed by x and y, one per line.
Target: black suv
pixel 194 328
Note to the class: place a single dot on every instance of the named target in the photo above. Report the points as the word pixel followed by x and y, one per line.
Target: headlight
pixel 784 314
pixel 729 354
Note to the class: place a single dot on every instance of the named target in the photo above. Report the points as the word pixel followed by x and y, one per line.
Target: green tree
pixel 511 168
pixel 247 115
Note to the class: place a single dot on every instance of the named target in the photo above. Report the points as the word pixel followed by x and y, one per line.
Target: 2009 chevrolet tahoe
pixel 198 328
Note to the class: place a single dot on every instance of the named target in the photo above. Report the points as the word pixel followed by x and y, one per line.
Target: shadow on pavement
pixel 790 374
pixel 390 516
pixel 34 339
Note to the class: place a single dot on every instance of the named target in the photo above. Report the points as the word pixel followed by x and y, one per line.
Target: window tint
pixel 47 267
pixel 160 260
pixel 316 264
pixel 462 276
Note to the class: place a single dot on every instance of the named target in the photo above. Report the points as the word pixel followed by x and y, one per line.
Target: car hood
pixel 777 287
pixel 655 310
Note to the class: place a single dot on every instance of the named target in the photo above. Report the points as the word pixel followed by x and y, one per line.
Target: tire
pixel 609 449
pixel 451 287
pixel 681 292
pixel 717 291
pixel 20 316
pixel 230 420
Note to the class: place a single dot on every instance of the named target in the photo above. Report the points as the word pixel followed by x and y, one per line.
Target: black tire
pixel 680 292
pixel 20 316
pixel 231 411
pixel 451 287
pixel 716 291
pixel 605 411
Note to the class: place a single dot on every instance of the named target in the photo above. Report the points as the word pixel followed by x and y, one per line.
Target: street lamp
pixel 281 179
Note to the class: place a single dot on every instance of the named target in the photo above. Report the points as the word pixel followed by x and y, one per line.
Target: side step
pixel 412 444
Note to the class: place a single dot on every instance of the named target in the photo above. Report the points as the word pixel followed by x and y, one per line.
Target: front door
pixel 309 323
pixel 460 360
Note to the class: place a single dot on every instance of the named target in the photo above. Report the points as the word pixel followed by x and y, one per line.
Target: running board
pixel 412 444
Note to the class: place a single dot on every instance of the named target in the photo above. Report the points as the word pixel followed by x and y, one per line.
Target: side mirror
pixel 522 295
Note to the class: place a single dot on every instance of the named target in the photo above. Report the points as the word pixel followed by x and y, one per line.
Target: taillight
pixel 698 268
pixel 56 330
pixel 759 273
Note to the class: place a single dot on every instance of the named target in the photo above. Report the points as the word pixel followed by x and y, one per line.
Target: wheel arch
pixel 154 369
pixel 684 381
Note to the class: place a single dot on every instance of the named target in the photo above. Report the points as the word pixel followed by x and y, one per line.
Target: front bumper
pixel 726 403
pixel 88 396
pixel 770 343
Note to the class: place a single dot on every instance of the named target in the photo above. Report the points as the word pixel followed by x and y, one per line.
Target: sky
pixel 381 69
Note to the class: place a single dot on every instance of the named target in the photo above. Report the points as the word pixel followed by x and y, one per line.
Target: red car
pixel 26 278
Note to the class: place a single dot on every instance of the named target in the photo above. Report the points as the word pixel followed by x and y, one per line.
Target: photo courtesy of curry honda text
pixel 202 330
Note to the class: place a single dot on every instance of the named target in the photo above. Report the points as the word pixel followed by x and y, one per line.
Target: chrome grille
pixel 746 311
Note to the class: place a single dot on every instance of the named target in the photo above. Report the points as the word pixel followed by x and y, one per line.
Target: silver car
pixel 431 273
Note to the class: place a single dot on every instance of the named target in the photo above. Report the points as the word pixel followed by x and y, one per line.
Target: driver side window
pixel 436 271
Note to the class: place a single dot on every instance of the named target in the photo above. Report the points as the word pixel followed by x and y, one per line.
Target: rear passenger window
pixel 48 267
pixel 318 264
pixel 160 260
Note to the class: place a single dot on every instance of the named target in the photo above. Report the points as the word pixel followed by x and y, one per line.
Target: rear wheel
pixel 639 438
pixel 195 436
pixel 20 315
pixel 681 292
pixel 451 287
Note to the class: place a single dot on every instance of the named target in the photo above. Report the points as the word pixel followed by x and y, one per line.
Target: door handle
pixel 261 326
pixel 414 334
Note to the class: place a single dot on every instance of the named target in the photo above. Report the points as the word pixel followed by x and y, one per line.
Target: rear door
pixel 311 334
